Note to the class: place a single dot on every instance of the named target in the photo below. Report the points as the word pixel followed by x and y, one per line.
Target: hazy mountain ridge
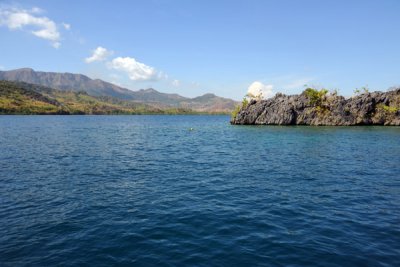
pixel 97 87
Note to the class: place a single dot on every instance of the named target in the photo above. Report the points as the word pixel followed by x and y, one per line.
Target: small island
pixel 321 107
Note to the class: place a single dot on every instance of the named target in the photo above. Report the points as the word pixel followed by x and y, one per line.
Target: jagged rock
pixel 377 108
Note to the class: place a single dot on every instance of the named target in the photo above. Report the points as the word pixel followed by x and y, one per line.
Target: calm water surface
pixel 146 191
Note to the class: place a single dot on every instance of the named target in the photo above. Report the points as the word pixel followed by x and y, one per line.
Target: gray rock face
pixel 377 108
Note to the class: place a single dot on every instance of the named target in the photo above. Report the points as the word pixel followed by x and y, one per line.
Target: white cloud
pixel 2 67
pixel 66 26
pixel 136 71
pixel 20 19
pixel 260 90
pixel 176 83
pixel 99 54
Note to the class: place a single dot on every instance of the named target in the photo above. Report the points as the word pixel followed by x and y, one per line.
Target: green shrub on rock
pixel 244 104
pixel 385 108
pixel 315 96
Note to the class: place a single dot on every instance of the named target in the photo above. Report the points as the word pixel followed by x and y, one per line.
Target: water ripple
pixel 145 191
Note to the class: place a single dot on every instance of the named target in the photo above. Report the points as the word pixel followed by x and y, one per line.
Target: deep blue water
pixel 146 191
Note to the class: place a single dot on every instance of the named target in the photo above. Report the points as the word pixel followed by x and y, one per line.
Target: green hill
pixel 25 98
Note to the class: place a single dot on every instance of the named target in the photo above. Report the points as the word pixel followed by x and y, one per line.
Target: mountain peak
pixel 149 90
pixel 209 95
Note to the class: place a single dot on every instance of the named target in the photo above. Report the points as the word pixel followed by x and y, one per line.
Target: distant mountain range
pixel 27 98
pixel 99 88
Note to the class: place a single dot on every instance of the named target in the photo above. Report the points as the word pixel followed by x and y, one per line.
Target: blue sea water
pixel 147 191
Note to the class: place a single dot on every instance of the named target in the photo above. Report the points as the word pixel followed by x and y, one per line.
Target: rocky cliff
pixel 377 108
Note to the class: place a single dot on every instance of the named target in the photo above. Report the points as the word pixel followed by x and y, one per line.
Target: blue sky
pixel 195 47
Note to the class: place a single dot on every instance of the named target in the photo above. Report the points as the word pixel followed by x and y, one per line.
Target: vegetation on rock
pixel 388 109
pixel 315 96
pixel 244 104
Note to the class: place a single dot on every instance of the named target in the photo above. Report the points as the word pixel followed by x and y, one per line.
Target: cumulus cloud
pixel 30 20
pixel 260 90
pixel 136 70
pixel 98 54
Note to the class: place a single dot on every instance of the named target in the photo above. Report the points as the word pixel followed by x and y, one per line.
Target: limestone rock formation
pixel 376 108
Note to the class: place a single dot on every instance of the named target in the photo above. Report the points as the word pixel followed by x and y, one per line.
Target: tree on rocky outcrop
pixel 244 104
pixel 316 97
